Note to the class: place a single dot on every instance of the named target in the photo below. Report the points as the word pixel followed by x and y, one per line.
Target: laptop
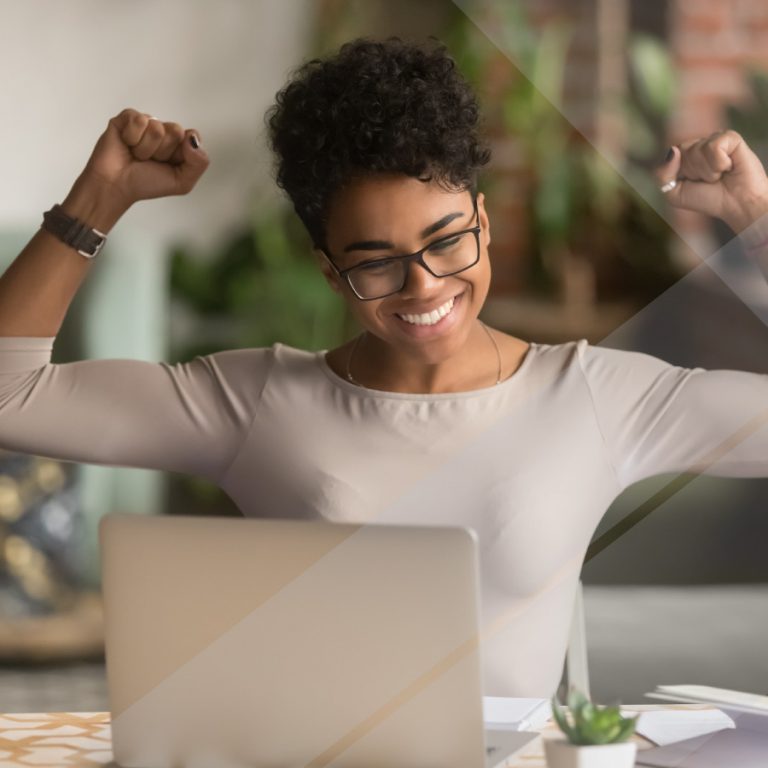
pixel 234 642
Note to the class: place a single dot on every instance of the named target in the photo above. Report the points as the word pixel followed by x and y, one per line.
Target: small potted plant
pixel 596 737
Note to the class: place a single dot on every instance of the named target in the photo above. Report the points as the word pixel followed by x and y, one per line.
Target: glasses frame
pixel 417 256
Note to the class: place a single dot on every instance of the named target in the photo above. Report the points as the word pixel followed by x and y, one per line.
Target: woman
pixel 427 417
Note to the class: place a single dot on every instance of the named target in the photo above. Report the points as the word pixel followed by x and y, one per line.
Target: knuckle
pixel 137 118
pixel 154 128
pixel 122 117
pixel 174 130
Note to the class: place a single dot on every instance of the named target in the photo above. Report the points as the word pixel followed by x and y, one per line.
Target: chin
pixel 436 350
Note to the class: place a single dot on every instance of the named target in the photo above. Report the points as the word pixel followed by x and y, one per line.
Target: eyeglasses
pixel 377 278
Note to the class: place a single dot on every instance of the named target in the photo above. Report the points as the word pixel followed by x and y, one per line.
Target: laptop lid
pixel 260 642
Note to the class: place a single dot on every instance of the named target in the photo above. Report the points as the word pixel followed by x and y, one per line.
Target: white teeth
pixel 429 318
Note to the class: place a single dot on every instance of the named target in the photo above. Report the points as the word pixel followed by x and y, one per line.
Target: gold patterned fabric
pixel 55 739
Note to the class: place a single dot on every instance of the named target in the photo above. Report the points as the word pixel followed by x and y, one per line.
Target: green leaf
pixel 626 729
pixel 562 723
pixel 654 73
pixel 576 700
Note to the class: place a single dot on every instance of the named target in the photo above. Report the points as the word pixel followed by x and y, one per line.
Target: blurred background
pixel 581 99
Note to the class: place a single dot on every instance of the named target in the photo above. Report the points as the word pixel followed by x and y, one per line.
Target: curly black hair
pixel 375 106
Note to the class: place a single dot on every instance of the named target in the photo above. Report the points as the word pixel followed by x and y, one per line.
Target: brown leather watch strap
pixel 84 239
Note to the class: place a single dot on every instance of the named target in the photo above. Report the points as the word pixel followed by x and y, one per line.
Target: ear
pixel 482 218
pixel 329 273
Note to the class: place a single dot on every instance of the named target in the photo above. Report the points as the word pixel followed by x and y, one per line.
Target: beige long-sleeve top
pixel 530 464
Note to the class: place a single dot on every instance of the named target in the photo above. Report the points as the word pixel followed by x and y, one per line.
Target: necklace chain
pixel 349 360
pixel 498 353
pixel 357 341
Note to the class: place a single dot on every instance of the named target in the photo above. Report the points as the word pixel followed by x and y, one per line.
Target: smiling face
pixel 388 215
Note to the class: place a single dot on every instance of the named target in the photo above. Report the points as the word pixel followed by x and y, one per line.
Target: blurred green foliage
pixel 260 285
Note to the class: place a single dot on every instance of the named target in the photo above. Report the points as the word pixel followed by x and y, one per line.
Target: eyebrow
pixel 381 245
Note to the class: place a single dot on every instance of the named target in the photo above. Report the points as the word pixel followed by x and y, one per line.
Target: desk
pixel 83 739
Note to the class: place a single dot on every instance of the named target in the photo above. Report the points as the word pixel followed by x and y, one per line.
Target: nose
pixel 419 282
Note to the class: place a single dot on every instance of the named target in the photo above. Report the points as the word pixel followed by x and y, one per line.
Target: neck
pixel 374 364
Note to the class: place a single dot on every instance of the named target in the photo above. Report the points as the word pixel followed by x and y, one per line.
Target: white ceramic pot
pixel 562 754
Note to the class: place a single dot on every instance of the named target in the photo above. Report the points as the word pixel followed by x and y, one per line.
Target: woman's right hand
pixel 139 157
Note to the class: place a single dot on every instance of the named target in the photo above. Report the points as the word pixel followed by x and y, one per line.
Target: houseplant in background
pixel 596 737
pixel 259 285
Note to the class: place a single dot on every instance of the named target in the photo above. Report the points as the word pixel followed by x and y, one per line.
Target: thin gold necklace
pixel 357 341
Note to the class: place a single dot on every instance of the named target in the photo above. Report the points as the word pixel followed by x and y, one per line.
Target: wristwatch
pixel 85 240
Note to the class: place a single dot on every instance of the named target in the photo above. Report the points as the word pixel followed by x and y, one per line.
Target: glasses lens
pixel 378 278
pixel 452 254
pixel 445 257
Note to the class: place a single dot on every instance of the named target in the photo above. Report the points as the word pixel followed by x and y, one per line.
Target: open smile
pixel 430 318
pixel 435 321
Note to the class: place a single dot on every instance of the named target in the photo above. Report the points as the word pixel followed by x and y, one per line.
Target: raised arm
pixel 136 158
pixel 656 417
pixel 189 417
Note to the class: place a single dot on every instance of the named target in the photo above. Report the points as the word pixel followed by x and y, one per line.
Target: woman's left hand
pixel 719 176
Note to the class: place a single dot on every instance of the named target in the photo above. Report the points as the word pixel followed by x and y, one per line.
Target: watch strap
pixel 86 240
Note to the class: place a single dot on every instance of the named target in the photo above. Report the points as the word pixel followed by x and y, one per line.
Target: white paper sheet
pixel 670 725
pixel 513 714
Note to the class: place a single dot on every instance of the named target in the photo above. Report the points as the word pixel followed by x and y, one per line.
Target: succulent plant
pixel 591 723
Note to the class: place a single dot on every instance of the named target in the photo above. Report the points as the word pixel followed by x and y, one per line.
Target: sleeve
pixel 190 417
pixel 657 418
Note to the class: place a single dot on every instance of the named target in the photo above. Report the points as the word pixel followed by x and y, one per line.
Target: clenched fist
pixel 139 157
pixel 718 175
